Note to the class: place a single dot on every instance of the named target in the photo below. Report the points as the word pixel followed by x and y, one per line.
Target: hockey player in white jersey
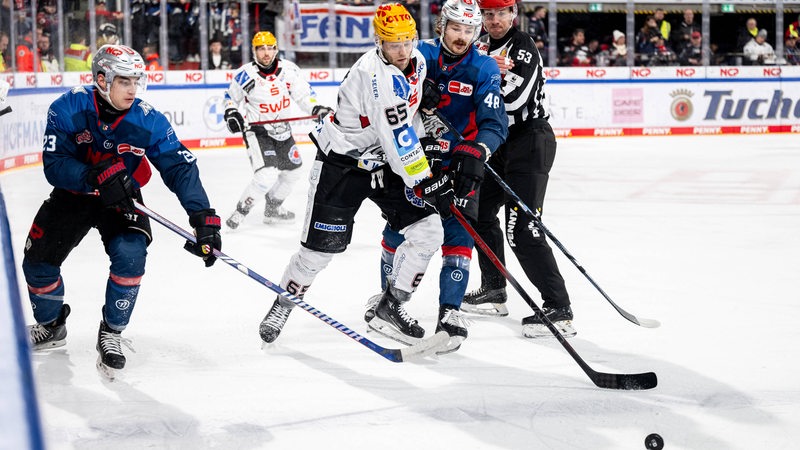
pixel 265 89
pixel 369 149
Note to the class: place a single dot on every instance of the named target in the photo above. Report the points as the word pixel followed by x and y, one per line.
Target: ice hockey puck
pixel 654 441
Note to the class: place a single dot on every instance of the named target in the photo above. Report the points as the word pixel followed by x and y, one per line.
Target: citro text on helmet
pixel 393 23
pixel 264 38
pixel 461 11
pixel 118 61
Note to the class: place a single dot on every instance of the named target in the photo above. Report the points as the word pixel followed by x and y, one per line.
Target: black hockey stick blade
pixel 638 381
pixel 426 347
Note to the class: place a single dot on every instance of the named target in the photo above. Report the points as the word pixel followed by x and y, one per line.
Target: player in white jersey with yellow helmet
pixel 265 90
pixel 369 149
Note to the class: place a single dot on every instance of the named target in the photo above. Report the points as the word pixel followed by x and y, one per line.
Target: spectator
pixel 107 34
pixel 78 57
pixel 617 53
pixel 791 51
pixel 151 58
pixel 538 31
pixel 576 53
pixel 24 50
pixel 217 59
pixel 47 18
pixel 746 34
pixel 759 51
pixel 47 57
pixel 103 14
pixel 663 26
pixel 692 54
pixel 682 34
pixel 793 29
pixel 647 38
pixel 3 48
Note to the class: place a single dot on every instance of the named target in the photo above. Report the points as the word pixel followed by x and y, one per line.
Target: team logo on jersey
pixel 146 107
pixel 242 77
pixel 125 148
pixel 400 86
pixel 84 137
pixel 457 87
pixel 294 155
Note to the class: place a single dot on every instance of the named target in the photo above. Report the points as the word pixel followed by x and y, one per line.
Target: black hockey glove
pixel 467 167
pixel 437 192
pixel 430 96
pixel 206 224
pixel 321 111
pixel 234 120
pixel 110 178
pixel 433 151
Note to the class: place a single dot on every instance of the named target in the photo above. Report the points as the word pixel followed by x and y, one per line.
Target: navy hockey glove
pixel 431 96
pixel 467 167
pixel 206 224
pixel 110 178
pixel 321 111
pixel 234 120
pixel 436 192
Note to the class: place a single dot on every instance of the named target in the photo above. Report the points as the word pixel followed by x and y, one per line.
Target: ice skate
pixel 371 304
pixel 392 320
pixel 452 322
pixel 534 327
pixel 486 301
pixel 109 347
pixel 275 213
pixel 45 336
pixel 273 322
pixel 237 217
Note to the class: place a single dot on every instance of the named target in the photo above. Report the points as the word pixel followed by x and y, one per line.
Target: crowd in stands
pixel 657 40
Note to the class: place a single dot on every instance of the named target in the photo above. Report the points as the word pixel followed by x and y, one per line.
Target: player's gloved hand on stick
pixel 110 178
pixel 320 111
pixel 206 224
pixel 467 166
pixel 234 120
pixel 433 152
pixel 430 97
pixel 437 192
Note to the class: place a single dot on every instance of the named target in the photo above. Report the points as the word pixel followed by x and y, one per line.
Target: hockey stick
pixel 646 323
pixel 637 381
pixel 426 347
pixel 290 119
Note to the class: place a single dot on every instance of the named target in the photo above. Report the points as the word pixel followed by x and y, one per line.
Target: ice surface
pixel 700 233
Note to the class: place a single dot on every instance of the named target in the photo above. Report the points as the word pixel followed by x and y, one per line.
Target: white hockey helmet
pixel 118 61
pixel 465 12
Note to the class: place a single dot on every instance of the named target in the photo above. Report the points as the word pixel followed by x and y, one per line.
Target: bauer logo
pixel 681 107
pixel 214 113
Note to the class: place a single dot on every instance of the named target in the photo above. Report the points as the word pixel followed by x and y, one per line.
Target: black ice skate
pixel 109 348
pixel 392 320
pixel 534 327
pixel 273 322
pixel 452 322
pixel 275 213
pixel 238 216
pixel 45 336
pixel 486 301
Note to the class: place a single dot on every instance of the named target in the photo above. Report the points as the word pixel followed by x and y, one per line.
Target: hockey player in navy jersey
pixel 467 92
pixel 369 149
pixel 524 162
pixel 99 142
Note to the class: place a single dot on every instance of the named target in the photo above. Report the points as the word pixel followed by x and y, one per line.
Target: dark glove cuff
pixel 205 218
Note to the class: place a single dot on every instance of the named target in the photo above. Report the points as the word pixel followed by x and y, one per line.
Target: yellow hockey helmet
pixel 393 23
pixel 264 38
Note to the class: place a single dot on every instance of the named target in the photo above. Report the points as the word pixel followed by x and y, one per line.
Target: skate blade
pixel 275 220
pixel 535 331
pixel 383 328
pixel 108 373
pixel 49 345
pixel 486 309
pixel 425 347
pixel 452 344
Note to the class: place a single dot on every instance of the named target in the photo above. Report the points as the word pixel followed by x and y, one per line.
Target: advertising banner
pixel 309 31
